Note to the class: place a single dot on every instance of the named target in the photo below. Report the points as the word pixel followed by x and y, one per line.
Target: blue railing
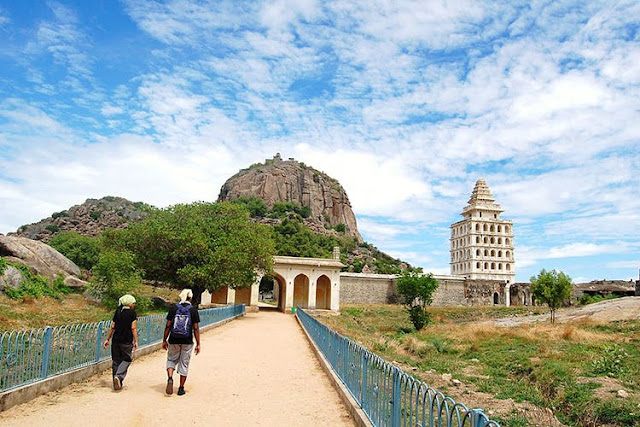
pixel 388 395
pixel 33 355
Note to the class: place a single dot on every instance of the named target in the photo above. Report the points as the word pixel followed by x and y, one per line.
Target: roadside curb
pixel 353 407
pixel 28 392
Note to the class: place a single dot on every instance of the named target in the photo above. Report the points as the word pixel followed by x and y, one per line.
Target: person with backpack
pixel 182 325
pixel 124 330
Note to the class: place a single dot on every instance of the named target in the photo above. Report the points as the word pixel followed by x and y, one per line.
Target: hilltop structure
pixel 482 243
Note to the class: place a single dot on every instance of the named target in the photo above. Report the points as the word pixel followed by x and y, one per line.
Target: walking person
pixel 124 330
pixel 182 325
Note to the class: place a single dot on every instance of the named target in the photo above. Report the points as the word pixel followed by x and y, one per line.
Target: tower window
pixel 477 265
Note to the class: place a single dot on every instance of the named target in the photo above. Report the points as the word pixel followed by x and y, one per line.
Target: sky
pixel 406 103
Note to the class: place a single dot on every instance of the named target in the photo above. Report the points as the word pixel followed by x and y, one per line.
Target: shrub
pixel 256 206
pixel 3 265
pixel 95 215
pixel 53 228
pixel 416 291
pixel 341 228
pixel 82 250
pixel 114 275
pixel 34 285
pixel 59 214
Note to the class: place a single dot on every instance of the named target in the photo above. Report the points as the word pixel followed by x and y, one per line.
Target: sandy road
pixel 254 371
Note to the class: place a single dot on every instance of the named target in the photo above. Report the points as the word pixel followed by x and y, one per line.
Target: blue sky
pixel 407 103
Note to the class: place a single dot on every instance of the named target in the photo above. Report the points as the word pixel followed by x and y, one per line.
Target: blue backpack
pixel 181 327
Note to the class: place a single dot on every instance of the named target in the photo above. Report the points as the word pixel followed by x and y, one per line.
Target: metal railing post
pixel 98 340
pixel 364 371
pixel 395 399
pixel 46 351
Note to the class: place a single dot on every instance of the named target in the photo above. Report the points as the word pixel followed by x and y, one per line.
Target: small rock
pixel 447 377
pixel 414 368
pixel 456 383
pixel 490 412
pixel 623 394
pixel 474 360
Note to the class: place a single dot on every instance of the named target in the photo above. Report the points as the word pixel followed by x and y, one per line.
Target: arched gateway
pixel 296 281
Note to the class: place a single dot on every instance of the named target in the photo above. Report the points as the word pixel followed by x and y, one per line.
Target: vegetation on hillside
pixel 294 238
pixel 573 369
pixel 84 251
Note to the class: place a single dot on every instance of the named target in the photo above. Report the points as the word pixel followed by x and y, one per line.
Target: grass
pixel 30 312
pixel 564 367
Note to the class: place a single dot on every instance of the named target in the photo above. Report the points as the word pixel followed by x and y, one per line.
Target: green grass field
pixel 573 369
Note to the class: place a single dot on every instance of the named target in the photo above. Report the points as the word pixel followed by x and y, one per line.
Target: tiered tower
pixel 482 243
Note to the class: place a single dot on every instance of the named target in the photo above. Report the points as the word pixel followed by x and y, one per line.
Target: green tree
pixel 114 275
pixel 82 250
pixel 200 246
pixel 416 292
pixel 553 288
pixel 256 206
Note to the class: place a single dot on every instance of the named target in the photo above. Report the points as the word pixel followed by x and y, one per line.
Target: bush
pixel 59 214
pixel 341 228
pixel 36 286
pixel 114 275
pixel 95 215
pixel 256 206
pixel 82 250
pixel 416 291
pixel 3 265
pixel 53 228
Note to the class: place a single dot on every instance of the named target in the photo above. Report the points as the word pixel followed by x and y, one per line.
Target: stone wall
pixel 481 292
pixel 364 288
pixel 450 291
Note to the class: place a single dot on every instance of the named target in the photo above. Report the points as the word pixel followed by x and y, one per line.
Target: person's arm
pixel 110 334
pixel 196 333
pixel 134 330
pixel 167 329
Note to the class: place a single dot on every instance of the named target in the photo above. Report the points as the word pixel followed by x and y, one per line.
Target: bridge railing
pixel 32 355
pixel 388 395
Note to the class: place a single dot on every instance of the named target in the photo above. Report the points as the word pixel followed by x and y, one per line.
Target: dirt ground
pixel 627 308
pixel 257 370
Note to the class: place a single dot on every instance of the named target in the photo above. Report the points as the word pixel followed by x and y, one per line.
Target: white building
pixel 482 243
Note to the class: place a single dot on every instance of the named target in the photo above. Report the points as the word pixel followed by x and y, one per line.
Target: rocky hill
pixel 89 219
pixel 279 180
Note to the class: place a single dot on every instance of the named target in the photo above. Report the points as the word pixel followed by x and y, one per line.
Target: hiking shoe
pixel 180 391
pixel 117 385
pixel 169 389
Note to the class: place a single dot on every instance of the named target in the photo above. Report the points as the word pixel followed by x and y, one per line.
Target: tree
pixel 553 288
pixel 199 246
pixel 82 250
pixel 114 275
pixel 416 291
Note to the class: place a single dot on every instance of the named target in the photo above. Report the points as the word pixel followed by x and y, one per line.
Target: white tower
pixel 482 243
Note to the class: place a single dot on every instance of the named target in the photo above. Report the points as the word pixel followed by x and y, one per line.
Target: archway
pixel 496 298
pixel 301 291
pixel 323 293
pixel 269 291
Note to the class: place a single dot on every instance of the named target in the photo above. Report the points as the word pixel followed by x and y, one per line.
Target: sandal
pixel 169 389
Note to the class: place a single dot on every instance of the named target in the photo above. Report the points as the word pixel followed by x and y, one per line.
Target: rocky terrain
pixel 279 180
pixel 89 218
pixel 40 258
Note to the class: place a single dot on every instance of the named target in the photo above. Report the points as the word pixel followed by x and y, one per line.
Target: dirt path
pixel 627 308
pixel 256 370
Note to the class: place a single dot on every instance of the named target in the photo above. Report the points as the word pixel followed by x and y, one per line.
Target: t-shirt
pixel 195 318
pixel 123 318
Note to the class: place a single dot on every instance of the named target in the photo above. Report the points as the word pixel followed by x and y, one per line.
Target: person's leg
pixel 116 359
pixel 126 351
pixel 183 365
pixel 173 356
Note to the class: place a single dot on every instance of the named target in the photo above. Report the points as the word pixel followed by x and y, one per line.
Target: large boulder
pixel 40 258
pixel 11 277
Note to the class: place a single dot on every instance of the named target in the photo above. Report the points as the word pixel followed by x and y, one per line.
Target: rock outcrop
pixel 40 258
pixel 280 180
pixel 89 219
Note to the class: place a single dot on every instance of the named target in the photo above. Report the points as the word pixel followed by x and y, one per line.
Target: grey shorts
pixel 178 356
